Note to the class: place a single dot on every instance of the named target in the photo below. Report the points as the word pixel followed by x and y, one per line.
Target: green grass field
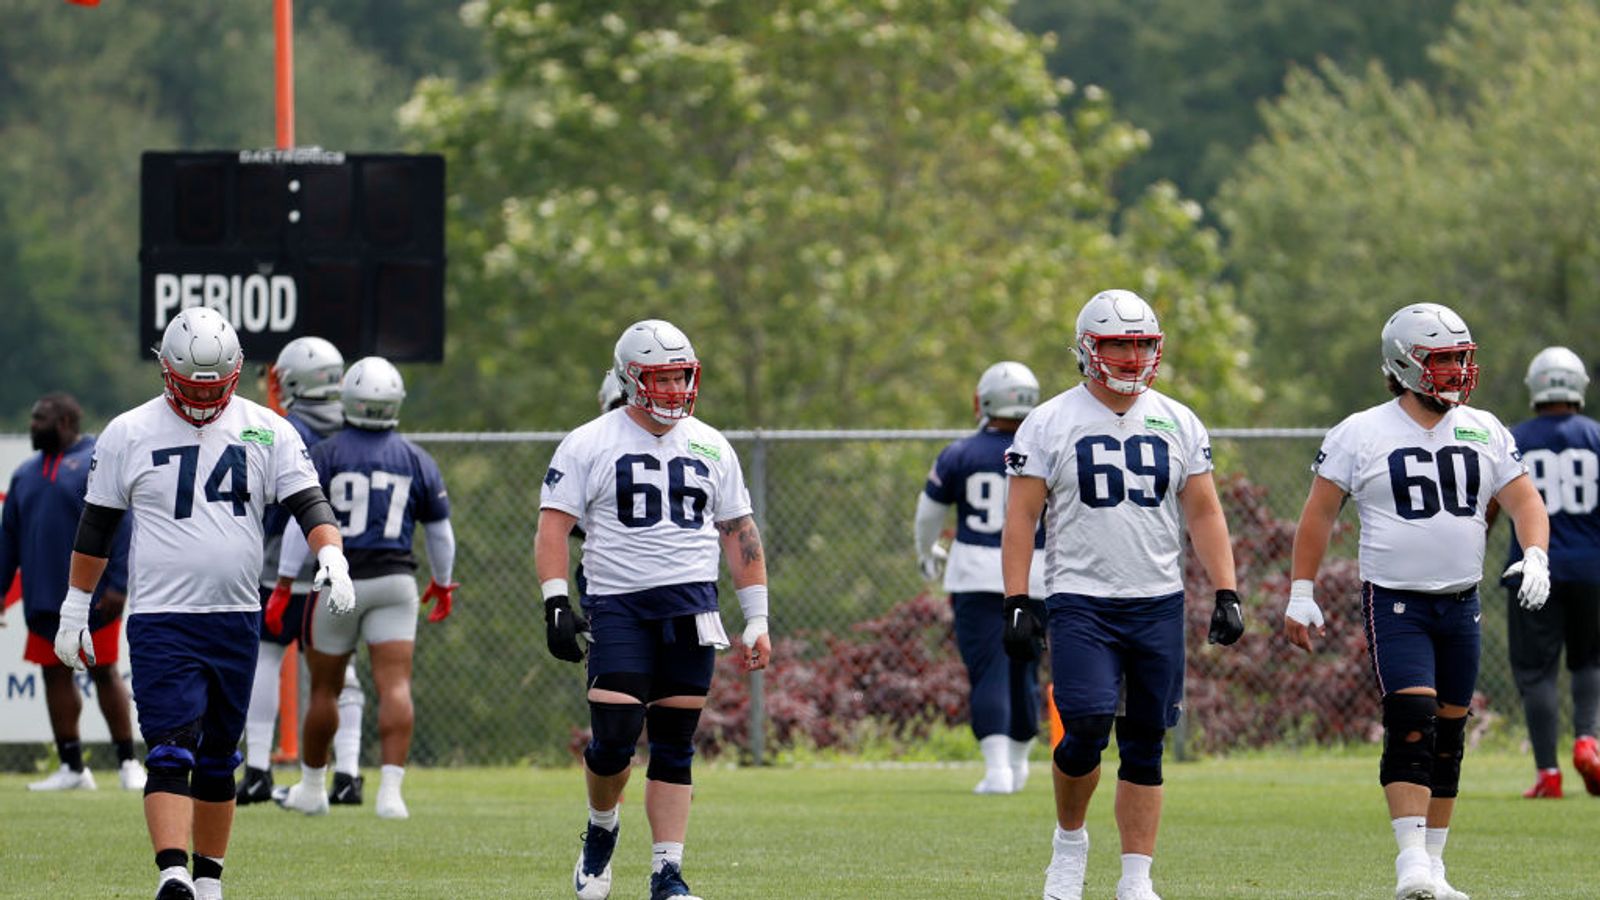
pixel 1266 826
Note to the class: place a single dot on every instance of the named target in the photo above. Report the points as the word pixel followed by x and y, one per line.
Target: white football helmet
pixel 610 395
pixel 1006 390
pixel 646 352
pixel 1557 375
pixel 199 354
pixel 1118 315
pixel 308 368
pixel 371 394
pixel 1414 336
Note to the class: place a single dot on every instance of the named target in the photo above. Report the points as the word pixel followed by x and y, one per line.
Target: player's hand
pixel 334 574
pixel 1534 567
pixel 74 647
pixel 563 629
pixel 1227 621
pixel 1023 636
pixel 445 594
pixel 931 562
pixel 757 644
pixel 277 604
pixel 1302 614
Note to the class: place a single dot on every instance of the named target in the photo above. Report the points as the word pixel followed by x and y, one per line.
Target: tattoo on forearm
pixel 749 537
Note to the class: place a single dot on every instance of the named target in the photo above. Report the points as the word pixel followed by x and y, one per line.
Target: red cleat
pixel 1547 785
pixel 1586 758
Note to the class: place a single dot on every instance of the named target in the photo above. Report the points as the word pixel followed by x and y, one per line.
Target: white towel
pixel 708 625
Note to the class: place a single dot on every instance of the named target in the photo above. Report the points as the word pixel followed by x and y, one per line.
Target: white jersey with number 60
pixel 196 496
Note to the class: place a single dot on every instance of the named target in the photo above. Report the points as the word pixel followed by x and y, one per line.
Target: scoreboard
pixel 285 243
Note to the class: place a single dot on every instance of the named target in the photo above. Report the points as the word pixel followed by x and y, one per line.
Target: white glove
pixel 333 572
pixel 754 627
pixel 932 562
pixel 1534 567
pixel 72 635
pixel 1302 607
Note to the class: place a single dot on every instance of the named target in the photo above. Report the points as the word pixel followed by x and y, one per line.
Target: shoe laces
pixel 668 883
pixel 597 846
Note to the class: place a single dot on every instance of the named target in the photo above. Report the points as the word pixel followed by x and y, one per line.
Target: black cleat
pixel 346 790
pixel 257 787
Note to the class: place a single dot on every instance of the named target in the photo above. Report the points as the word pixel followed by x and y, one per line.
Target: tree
pixel 852 208
pixel 1367 195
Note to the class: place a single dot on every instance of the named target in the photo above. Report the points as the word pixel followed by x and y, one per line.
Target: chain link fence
pixel 863 649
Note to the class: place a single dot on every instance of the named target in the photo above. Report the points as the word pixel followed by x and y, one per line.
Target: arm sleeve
pixel 97 530
pixel 441 540
pixel 310 508
pixel 293 551
pixel 929 522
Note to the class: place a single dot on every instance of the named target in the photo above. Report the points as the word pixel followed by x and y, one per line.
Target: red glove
pixel 442 593
pixel 276 604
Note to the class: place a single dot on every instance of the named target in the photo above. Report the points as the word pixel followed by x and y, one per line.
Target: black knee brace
pixel 1078 754
pixel 170 760
pixel 213 775
pixel 1409 723
pixel 1449 745
pixel 1140 746
pixel 616 728
pixel 671 743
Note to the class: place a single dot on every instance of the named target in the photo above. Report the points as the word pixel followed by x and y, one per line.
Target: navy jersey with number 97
pixel 381 485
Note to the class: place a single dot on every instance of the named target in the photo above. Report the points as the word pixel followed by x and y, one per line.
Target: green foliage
pixel 852 208
pixel 1369 194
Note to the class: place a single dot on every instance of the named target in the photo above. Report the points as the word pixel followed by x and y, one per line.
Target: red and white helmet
pixel 1119 315
pixel 650 347
pixel 199 352
pixel 1429 350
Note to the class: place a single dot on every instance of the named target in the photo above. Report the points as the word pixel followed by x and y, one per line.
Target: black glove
pixel 562 625
pixel 1024 629
pixel 1227 622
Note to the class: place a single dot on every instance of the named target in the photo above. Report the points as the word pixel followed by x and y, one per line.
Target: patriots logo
pixel 1016 461
pixel 552 476
pixel 1318 461
pixel 1516 455
pixel 1207 452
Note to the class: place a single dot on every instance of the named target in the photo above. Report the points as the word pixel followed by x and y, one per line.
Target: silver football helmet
pixel 372 392
pixel 1429 350
pixel 657 369
pixel 200 363
pixel 1123 316
pixel 1557 375
pixel 610 395
pixel 1006 390
pixel 308 369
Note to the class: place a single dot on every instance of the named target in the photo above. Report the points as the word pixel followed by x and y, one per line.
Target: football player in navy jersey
pixel 659 493
pixel 381 487
pixel 1562 449
pixel 1421 469
pixel 970 476
pixel 36 531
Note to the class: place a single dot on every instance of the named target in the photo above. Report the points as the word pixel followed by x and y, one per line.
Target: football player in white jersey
pixel 196 468
pixel 659 492
pixel 1124 469
pixel 1422 469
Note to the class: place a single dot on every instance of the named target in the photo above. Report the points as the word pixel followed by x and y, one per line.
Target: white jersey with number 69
pixel 1421 492
pixel 196 495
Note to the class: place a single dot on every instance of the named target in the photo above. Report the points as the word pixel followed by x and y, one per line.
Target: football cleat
pixel 346 790
pixel 390 804
pixel 301 798
pixel 996 781
pixel 132 775
pixel 669 883
pixel 175 884
pixel 64 779
pixel 208 889
pixel 1414 876
pixel 1586 759
pixel 256 788
pixel 1547 784
pixel 591 878
pixel 1441 887
pixel 1141 889
pixel 1063 878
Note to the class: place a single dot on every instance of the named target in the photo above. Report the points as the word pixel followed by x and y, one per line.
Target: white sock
pixel 314 778
pixel 1019 753
pixel 1435 841
pixel 663 852
pixel 263 713
pixel 1076 836
pixel 1136 867
pixel 1410 832
pixel 996 756
pixel 347 740
pixel 608 819
pixel 391 776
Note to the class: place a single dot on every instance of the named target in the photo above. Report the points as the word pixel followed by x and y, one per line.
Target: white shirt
pixel 196 496
pixel 648 504
pixel 1421 492
pixel 1113 522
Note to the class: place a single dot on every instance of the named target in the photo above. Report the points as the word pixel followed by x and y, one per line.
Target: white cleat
pixel 390 805
pixel 1019 777
pixel 598 845
pixel 996 781
pixel 64 779
pixel 1414 876
pixel 301 798
pixel 208 889
pixel 1442 888
pixel 175 884
pixel 1142 889
pixel 132 775
pixel 1063 879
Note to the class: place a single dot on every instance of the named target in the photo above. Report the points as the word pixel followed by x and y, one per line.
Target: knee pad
pixel 170 759
pixel 633 684
pixel 1409 723
pixel 1449 745
pixel 1079 751
pixel 671 743
pixel 213 775
pixel 616 728
pixel 1140 746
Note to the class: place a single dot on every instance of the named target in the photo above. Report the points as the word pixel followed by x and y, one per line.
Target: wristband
pixel 553 587
pixel 1300 589
pixel 752 600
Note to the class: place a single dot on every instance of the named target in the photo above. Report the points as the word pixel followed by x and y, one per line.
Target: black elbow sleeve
pixel 97 527
pixel 310 509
